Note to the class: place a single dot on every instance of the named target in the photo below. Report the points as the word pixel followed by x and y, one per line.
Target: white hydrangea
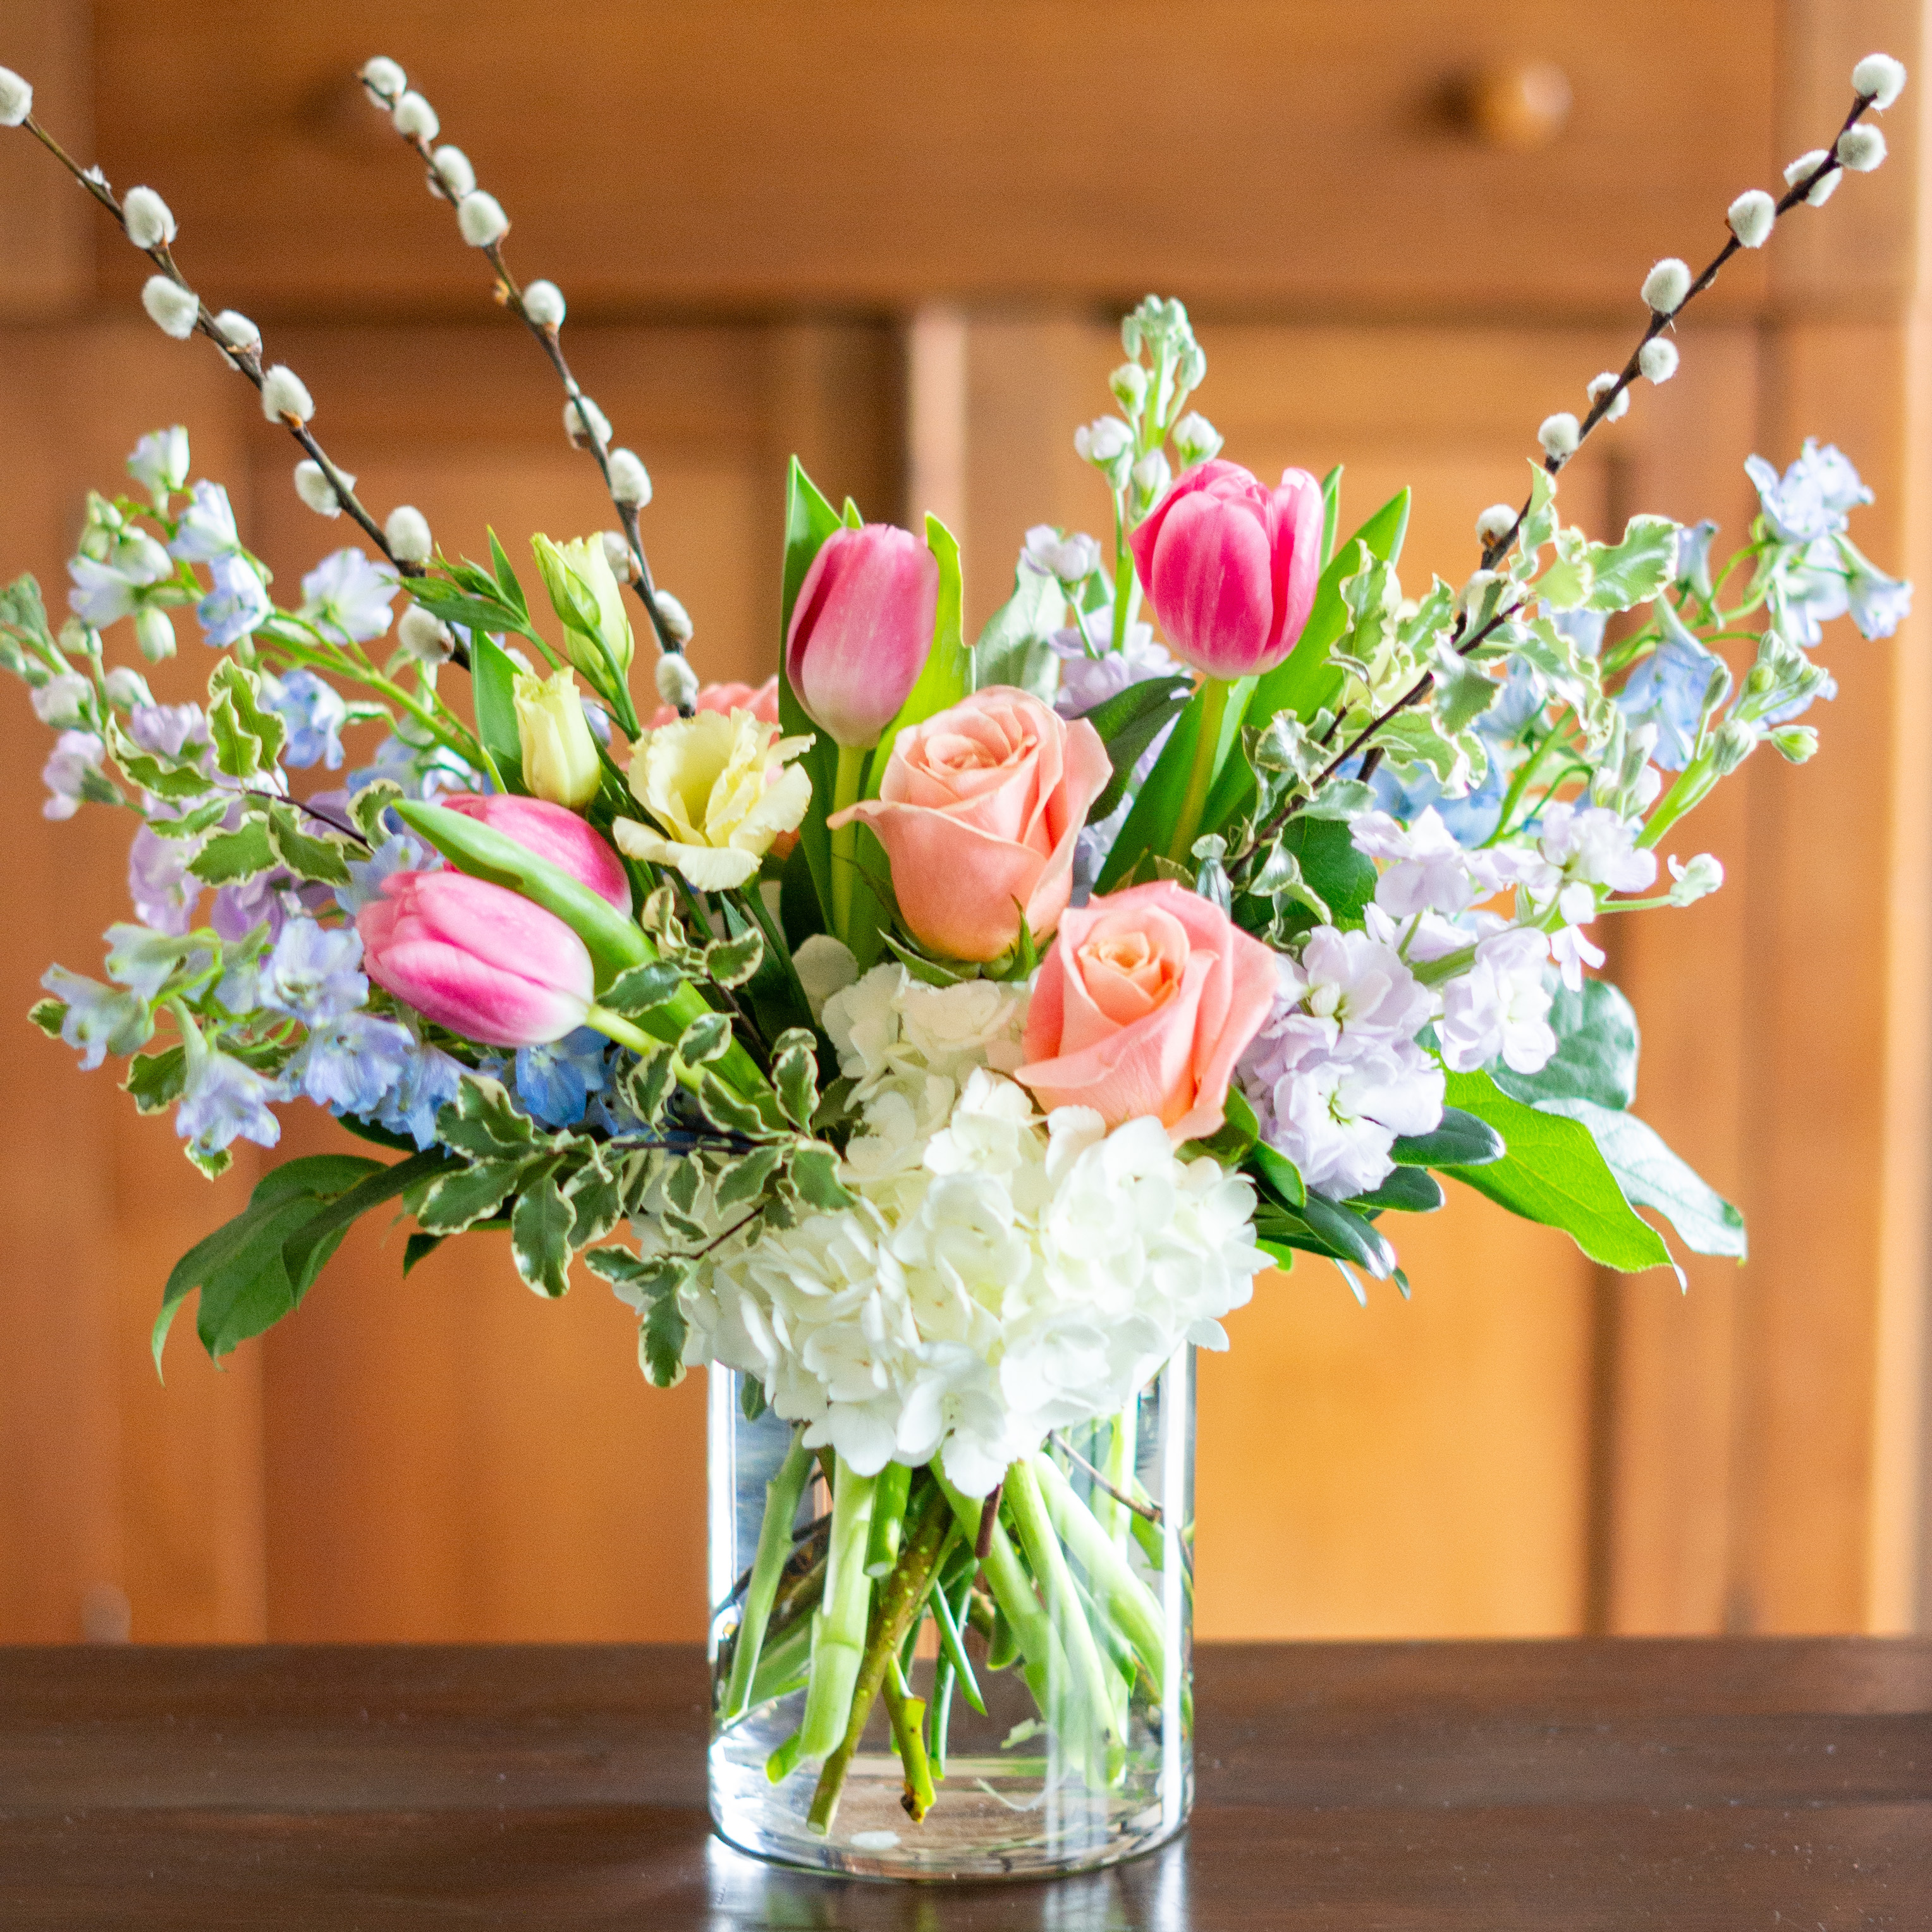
pixel 999 1275
pixel 890 1028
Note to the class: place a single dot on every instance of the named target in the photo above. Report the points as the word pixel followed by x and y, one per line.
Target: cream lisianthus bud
pixel 1667 285
pixel 676 618
pixel 1196 440
pixel 1657 359
pixel 1129 383
pixel 1703 875
pixel 17 98
pixel 285 395
pixel 384 80
pixel 1822 189
pixel 677 682
pixel 1601 386
pixel 408 532
pixel 127 688
pixel 584 594
pixel 1752 217
pixel 173 309
pixel 630 481
pixel 1495 523
pixel 423 637
pixel 543 303
pixel 560 755
pixel 481 219
pixel 238 331
pixel 1559 434
pixel 1152 475
pixel 151 224
pixel 415 119
pixel 314 487
pixel 583 419
pixel 1862 149
pixel 1879 79
pixel 155 632
pixel 450 174
pixel 617 555
pixel 720 788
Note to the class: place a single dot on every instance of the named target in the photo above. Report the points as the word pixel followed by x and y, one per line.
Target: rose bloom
pixel 721 789
pixel 978 812
pixel 1143 1006
pixel 760 700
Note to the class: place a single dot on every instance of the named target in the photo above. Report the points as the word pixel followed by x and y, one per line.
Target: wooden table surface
pixel 1719 1783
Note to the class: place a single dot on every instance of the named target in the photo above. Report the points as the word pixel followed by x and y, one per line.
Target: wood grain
pixel 877 153
pixel 46 227
pixel 1507 1787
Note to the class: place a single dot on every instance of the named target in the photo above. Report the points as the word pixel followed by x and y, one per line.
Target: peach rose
pixel 978 813
pixel 1143 1006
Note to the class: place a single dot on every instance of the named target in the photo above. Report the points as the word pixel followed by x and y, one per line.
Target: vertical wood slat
pixel 46 230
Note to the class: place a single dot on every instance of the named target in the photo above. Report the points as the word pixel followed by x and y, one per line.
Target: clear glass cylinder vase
pixel 1021 1702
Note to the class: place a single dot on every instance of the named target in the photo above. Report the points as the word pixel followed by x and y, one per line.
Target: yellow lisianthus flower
pixel 720 789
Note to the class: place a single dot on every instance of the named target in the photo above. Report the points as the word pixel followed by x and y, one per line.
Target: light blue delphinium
pixel 312 974
pixel 1879 604
pixel 1814 497
pixel 428 1084
pixel 1692 572
pixel 422 771
pixel 555 1083
pixel 159 462
pixel 314 713
pixel 143 960
pixel 207 529
pixel 238 604
pixel 100 1020
pixel 224 1101
pixel 345 593
pixel 1668 689
pixel 400 853
pixel 352 1064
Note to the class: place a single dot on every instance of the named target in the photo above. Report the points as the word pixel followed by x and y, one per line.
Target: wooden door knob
pixel 1517 104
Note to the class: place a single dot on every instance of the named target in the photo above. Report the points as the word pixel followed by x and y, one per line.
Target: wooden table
pixel 1721 1784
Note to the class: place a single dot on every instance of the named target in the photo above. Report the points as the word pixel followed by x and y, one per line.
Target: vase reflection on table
pixel 1066 1741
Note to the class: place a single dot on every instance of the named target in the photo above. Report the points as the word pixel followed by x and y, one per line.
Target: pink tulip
pixel 552 832
pixel 861 629
pixel 477 959
pixel 1231 568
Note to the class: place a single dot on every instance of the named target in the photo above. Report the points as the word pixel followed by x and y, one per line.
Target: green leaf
pixel 157 1080
pixel 640 988
pixel 248 737
pixel 1596 1051
pixel 1231 1143
pixel 483 1121
pixel 813 1171
pixel 307 1252
pixel 1651 1176
pixel 743 1180
pixel 366 808
pixel 467 1195
pixel 1554 1173
pixel 540 1230
pixel 1409 1190
pixel 947 677
pixel 661 1342
pixel 795 1076
pixel 1279 1175
pixel 307 856
pixel 1634 570
pixel 1331 866
pixel 809 520
pixel 419 1248
pixel 239 854
pixel 1331 512
pixel 48 1014
pixel 799 911
pixel 705 1039
pixel 1460 1141
pixel 647 1085
pixel 731 962
pixel 724 1109
pixel 1013 648
pixel 512 591
pixel 1157 806
pixel 1349 1235
pixel 492 680
pixel 596 1196
pixel 1128 723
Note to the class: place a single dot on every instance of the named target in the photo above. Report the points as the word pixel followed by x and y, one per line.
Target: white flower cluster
pixel 999 1276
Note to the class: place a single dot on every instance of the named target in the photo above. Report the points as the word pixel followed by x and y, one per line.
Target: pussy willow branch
pixel 1498 546
pixel 247 361
pixel 509 292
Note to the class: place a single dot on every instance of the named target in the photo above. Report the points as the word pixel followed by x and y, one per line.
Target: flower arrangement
pixel 941 1035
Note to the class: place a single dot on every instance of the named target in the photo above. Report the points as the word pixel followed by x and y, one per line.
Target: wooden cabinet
pixel 892 237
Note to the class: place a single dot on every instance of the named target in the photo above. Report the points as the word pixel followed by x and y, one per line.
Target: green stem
pixel 1128 1601
pixel 614 1026
pixel 838 1632
pixel 952 1640
pixel 888 1505
pixel 847 785
pixel 1041 1658
pixel 899 1604
pixel 907 1714
pixel 1201 773
pixel 1093 1684
pixel 1692 786
pixel 775 1547
pixel 1112 1512
pixel 1124 580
